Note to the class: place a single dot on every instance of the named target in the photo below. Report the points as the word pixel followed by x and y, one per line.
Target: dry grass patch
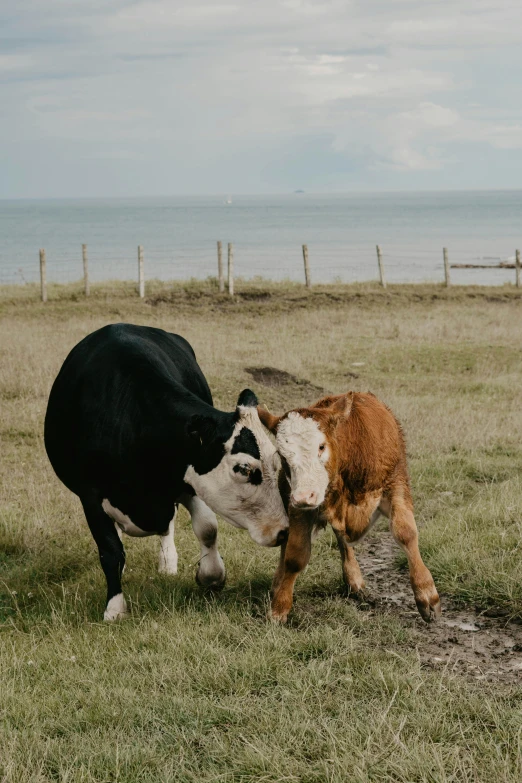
pixel 200 688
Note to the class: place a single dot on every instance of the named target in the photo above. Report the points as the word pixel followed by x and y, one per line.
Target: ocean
pixel 179 236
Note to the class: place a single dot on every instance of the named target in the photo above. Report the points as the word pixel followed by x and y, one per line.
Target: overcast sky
pixel 114 97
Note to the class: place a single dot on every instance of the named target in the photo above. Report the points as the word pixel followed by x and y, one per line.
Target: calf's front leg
pixel 295 556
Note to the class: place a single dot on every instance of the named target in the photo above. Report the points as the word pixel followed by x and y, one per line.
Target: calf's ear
pixel 201 429
pixel 268 419
pixel 343 405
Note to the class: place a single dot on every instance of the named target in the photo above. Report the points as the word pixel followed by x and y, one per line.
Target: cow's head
pixel 235 469
pixel 305 439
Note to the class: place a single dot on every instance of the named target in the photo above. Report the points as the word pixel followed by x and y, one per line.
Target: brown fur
pixel 368 475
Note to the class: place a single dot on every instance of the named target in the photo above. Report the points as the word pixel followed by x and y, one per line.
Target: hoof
pixel 209 582
pixel 167 568
pixel 429 611
pixel 277 616
pixel 356 589
pixel 116 609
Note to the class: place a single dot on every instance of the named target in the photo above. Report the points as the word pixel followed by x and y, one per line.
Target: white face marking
pixel 168 555
pixel 257 508
pixel 116 609
pixel 303 445
pixel 123 521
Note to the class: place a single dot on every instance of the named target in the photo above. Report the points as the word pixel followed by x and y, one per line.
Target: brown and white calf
pixel 345 463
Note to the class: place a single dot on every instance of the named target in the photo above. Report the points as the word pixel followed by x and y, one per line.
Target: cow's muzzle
pixel 304 500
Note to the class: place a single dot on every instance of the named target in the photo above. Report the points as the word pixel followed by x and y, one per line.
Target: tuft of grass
pixel 198 687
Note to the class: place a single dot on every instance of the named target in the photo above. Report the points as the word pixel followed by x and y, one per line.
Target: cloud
pixel 388 85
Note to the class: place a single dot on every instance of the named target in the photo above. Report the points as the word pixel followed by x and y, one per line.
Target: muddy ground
pixel 464 641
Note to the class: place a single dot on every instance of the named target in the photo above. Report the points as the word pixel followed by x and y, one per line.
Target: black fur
pixel 129 411
pixel 256 477
pixel 247 398
pixel 246 443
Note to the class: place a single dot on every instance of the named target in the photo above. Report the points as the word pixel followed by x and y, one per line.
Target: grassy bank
pixel 200 688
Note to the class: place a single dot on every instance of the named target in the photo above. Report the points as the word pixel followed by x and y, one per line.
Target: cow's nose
pixel 281 537
pixel 305 499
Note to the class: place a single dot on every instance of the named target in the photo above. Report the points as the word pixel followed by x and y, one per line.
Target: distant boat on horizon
pixel 228 200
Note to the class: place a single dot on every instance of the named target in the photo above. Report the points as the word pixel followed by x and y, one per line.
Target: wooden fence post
pixel 446 266
pixel 43 275
pixel 308 282
pixel 141 278
pixel 231 269
pixel 85 270
pixel 221 278
pixel 381 266
pixel 517 267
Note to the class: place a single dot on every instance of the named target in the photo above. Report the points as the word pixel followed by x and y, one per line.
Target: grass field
pixel 198 687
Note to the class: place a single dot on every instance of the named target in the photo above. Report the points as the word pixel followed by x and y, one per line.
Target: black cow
pixel 131 429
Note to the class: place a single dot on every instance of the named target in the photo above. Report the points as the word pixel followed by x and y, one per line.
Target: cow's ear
pixel 247 398
pixel 343 405
pixel 268 419
pixel 201 429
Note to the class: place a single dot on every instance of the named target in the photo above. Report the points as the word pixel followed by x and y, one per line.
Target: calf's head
pixel 306 439
pixel 235 469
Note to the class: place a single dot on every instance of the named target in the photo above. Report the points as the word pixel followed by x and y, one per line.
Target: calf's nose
pixel 304 499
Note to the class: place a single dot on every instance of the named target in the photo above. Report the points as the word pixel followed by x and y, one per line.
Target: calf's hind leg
pixel 211 569
pixel 404 530
pixel 295 556
pixel 112 557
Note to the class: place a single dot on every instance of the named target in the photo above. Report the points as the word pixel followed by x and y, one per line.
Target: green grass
pixel 201 688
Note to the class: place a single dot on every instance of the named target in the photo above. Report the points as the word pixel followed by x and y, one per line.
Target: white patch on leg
pixel 168 554
pixel 116 609
pixel 211 571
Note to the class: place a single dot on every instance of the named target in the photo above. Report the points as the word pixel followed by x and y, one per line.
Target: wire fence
pixel 327 264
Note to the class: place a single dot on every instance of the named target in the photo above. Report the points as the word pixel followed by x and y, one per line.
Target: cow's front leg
pixel 352 576
pixel 294 559
pixel 211 569
pixel 168 554
pixel 112 557
pixel 404 530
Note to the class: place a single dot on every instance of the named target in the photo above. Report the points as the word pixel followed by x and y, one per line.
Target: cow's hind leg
pixel 211 569
pixel 168 554
pixel 404 530
pixel 352 576
pixel 112 558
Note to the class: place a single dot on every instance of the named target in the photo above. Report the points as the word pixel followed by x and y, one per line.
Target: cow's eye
pixel 243 469
pixel 322 447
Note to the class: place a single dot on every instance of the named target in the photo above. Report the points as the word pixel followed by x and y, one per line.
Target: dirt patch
pixel 274 378
pixel 255 296
pixel 463 641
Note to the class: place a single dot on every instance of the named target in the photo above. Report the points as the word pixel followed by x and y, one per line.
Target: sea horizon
pixel 341 229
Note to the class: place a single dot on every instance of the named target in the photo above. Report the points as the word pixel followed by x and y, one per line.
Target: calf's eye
pixel 322 447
